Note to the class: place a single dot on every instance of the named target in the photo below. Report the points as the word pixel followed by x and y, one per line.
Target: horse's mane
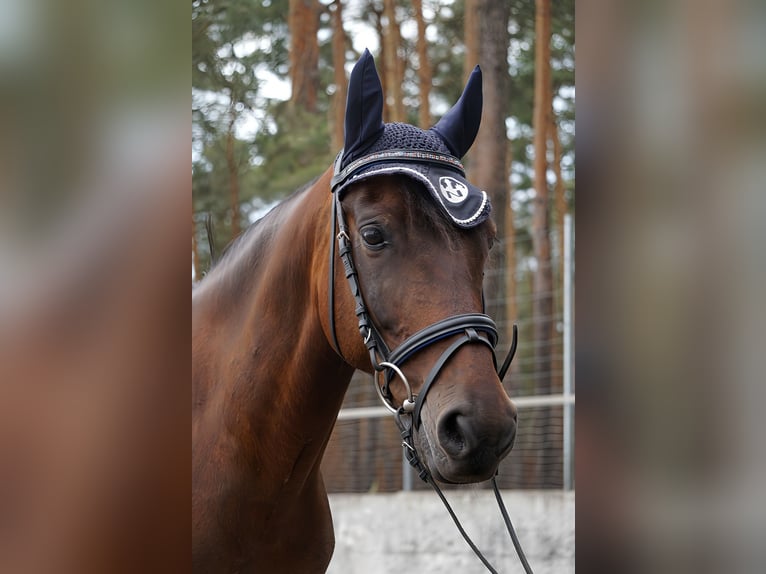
pixel 262 224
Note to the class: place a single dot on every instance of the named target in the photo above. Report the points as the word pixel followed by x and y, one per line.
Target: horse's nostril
pixel 451 433
pixel 462 436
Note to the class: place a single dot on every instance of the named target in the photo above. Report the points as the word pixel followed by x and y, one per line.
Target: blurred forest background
pixel 268 95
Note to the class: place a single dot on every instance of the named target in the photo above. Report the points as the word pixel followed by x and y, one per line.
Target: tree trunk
pixel 393 69
pixel 471 36
pixel 557 371
pixel 424 68
pixel 339 62
pixel 377 21
pixel 543 283
pixel 303 23
pixel 489 169
pixel 509 245
pixel 542 298
pixel 559 197
pixel 471 33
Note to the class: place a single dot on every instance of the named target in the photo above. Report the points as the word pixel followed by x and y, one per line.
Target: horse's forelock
pixel 422 204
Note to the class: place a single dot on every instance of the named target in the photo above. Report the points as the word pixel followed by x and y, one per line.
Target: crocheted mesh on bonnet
pixel 405 136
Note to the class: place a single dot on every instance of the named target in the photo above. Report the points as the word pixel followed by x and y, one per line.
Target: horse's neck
pixel 271 372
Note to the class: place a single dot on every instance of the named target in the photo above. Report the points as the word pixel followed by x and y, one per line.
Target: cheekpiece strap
pixel 372 339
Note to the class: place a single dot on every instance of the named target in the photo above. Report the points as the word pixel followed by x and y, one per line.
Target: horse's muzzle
pixel 472 445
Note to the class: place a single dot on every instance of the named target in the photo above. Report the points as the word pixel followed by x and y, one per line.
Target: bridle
pixel 470 328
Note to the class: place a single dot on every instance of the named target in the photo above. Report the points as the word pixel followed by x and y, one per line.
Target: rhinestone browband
pixel 413 156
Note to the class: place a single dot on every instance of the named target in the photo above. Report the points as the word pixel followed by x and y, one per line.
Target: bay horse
pixel 276 335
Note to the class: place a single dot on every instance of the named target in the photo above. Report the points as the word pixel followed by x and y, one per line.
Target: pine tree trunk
pixel 424 68
pixel 471 36
pixel 471 33
pixel 543 283
pixel 509 245
pixel 557 370
pixel 489 169
pixel 559 198
pixel 393 70
pixel 380 63
pixel 339 62
pixel 303 23
pixel 542 298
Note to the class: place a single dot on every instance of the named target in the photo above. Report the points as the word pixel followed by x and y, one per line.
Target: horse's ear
pixel 364 107
pixel 459 126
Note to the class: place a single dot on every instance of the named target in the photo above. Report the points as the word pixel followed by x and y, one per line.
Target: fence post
pixel 568 438
pixel 406 474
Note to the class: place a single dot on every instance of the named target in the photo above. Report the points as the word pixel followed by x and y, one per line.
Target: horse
pixel 377 266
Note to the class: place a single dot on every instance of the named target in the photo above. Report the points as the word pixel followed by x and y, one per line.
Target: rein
pixel 473 328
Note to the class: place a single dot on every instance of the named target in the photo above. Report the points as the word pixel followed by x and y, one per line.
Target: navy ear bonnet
pixel 431 157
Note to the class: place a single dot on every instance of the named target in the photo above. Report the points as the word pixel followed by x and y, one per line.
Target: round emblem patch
pixel 453 190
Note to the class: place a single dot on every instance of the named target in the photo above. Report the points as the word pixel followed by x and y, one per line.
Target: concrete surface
pixel 412 532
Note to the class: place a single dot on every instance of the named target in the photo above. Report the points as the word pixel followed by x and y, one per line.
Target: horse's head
pixel 415 236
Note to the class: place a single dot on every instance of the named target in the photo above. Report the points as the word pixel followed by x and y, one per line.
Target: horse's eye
pixel 373 237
